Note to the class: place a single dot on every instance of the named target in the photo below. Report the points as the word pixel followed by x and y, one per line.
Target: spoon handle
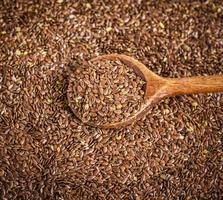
pixel 194 85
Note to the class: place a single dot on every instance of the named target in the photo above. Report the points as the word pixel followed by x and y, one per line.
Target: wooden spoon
pixel 158 87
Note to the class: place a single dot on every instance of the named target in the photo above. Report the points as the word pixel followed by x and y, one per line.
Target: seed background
pixel 175 152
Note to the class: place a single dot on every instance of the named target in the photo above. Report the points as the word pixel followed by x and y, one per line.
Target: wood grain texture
pixel 194 85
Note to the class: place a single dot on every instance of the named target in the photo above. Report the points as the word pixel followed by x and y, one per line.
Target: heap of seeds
pixel 105 91
pixel 175 152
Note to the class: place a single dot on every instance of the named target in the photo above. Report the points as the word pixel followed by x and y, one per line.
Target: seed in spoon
pixel 115 92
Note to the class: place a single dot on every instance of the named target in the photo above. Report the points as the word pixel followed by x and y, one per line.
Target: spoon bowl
pixel 157 87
